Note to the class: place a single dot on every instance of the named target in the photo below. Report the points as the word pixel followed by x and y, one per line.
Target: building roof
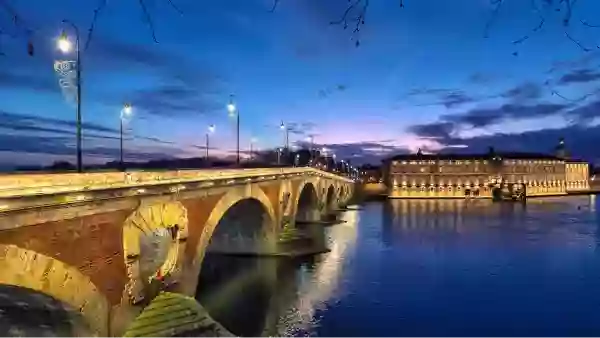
pixel 510 155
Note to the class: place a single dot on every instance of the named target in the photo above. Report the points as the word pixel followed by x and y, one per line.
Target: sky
pixel 440 75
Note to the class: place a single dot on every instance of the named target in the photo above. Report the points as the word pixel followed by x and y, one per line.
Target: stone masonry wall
pixel 92 244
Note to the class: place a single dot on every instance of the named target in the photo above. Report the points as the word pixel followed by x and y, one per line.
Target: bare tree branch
pixel 585 49
pixel 587 24
pixel 97 10
pixel 583 98
pixel 275 3
pixel 177 9
pixel 148 19
pixel 18 23
pixel 17 20
pixel 493 17
pixel 358 20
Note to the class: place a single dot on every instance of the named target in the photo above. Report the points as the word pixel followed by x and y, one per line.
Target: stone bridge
pixel 100 246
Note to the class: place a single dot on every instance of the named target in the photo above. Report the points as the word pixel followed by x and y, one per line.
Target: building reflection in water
pixel 417 221
pixel 270 296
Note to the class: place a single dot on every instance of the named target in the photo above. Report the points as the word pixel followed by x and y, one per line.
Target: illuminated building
pixel 457 176
pixel 370 174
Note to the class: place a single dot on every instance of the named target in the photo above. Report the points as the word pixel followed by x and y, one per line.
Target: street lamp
pixel 211 129
pixel 279 150
pixel 125 113
pixel 233 111
pixel 286 139
pixel 311 139
pixel 65 46
pixel 252 142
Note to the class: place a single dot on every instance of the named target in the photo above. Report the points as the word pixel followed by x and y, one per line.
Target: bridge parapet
pixel 34 184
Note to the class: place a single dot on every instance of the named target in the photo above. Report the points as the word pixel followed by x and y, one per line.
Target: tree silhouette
pixel 19 26
pixel 355 13
pixel 352 17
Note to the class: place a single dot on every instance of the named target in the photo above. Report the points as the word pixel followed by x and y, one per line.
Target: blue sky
pixel 429 75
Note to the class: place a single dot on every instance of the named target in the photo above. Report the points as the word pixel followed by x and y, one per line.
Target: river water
pixel 433 268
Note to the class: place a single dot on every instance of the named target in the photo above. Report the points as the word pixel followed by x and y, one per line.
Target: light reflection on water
pixel 444 268
pixel 319 285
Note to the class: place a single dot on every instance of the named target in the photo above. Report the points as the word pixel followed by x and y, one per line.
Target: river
pixel 429 268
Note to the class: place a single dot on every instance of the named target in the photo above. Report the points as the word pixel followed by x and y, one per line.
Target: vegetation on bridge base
pixel 175 315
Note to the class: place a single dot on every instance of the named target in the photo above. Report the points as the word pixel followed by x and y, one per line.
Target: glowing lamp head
pixel 282 125
pixel 127 109
pixel 63 43
pixel 231 108
pixel 253 140
pixel 211 128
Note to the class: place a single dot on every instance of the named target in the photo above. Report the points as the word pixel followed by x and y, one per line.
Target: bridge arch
pixel 44 279
pixel 244 194
pixel 154 238
pixel 307 204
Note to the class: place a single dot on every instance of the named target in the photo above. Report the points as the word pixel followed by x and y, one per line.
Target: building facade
pixel 458 176
pixel 370 174
pixel 577 175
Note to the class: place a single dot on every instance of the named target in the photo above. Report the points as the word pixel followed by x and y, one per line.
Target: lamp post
pixel 286 138
pixel 65 46
pixel 211 129
pixel 279 150
pixel 233 111
pixel 252 142
pixel 335 166
pixel 125 113
pixel 311 139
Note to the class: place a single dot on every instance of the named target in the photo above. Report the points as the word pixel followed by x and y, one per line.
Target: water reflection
pixel 429 220
pixel 319 282
pixel 269 296
pixel 429 268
